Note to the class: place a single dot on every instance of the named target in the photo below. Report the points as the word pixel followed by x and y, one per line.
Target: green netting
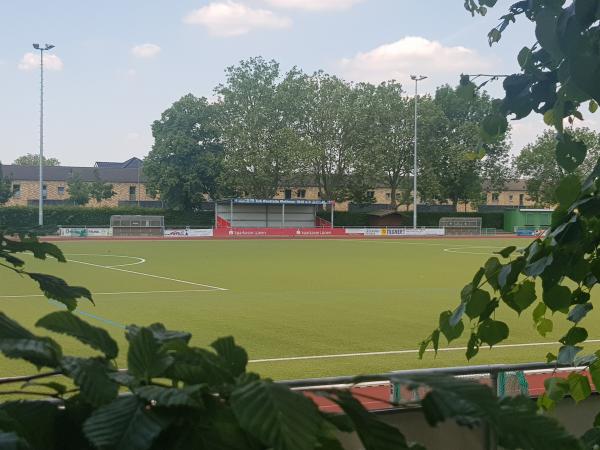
pixel 511 384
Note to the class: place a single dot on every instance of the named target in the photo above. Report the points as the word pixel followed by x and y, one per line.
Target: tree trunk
pixel 393 201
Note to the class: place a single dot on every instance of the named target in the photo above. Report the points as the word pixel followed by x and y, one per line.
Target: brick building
pixel 127 179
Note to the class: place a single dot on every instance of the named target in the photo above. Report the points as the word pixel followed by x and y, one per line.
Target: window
pixel 521 199
pixel 370 195
pixel 510 198
pixel 495 197
pixel 288 194
pixel 16 191
pixel 388 195
pixel 301 193
pixel 132 193
pixel 44 191
pixel 61 190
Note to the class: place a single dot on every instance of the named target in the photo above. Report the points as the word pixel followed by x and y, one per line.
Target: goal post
pixel 461 226
pixel 137 225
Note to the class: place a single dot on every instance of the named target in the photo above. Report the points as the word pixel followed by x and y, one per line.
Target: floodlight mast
pixel 416 79
pixel 41 49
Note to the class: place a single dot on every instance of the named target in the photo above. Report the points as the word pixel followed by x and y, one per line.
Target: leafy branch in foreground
pixel 555 274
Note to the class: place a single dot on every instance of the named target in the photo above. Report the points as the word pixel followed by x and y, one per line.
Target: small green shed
pixel 527 219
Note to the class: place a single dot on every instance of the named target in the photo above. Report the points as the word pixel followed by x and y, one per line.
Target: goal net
pixel 461 226
pixel 137 225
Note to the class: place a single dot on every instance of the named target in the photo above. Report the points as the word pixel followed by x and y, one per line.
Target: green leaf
pixel 545 31
pixel 579 387
pixel 67 323
pixel 568 190
pixel 505 253
pixel 544 326
pixel 124 424
pixel 538 266
pixel 522 297
pixel 456 317
pixel 593 107
pixel 539 312
pixel 574 336
pixel 169 397
pixel 160 333
pixel 280 418
pixel 450 332
pixel 494 125
pixel 524 57
pixel 92 377
pixel 492 270
pixel 557 298
pixel 57 289
pixel 35 420
pixel 146 359
pixel 473 346
pixel 478 303
pixel 19 343
pixel 556 388
pixel 373 433
pixel 235 356
pixel 567 354
pixel 570 153
pixel 493 332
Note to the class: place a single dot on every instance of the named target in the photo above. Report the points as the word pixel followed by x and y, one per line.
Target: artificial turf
pixel 284 298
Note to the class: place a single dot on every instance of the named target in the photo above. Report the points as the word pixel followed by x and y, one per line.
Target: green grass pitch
pixel 327 302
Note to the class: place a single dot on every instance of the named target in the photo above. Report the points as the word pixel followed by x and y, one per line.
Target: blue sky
pixel 118 64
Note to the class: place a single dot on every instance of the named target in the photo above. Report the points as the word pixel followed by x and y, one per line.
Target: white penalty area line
pixel 400 352
pixel 216 288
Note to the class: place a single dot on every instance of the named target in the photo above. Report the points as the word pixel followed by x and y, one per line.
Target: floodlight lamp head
pixel 418 77
pixel 49 47
pixel 36 46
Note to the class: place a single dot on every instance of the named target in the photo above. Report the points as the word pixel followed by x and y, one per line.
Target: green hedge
pixel 20 216
pixel 346 219
pixel 426 219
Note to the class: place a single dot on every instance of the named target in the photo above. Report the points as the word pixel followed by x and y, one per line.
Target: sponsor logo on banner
pixel 86 232
pixel 283 232
pixel 189 233
pixel 397 232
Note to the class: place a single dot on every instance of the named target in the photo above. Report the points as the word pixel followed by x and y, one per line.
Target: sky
pixel 119 63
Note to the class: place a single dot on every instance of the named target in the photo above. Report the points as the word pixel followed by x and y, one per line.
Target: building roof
pixel 130 163
pixel 65 173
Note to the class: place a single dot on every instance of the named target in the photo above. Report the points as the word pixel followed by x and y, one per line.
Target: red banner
pixel 281 232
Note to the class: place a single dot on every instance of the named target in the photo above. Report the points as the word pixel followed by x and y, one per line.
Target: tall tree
pixel 537 164
pixel 325 122
pixel 261 151
pixel 33 159
pixel 185 162
pixel 452 160
pixel 5 187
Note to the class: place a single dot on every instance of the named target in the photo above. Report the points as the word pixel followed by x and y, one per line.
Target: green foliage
pixel 19 217
pixel 5 187
pixel 33 159
pixel 559 74
pixel 186 159
pixel 81 192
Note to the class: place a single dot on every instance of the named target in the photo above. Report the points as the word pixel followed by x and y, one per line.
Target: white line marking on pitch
pixel 400 352
pixel 117 293
pixel 150 275
pixel 139 260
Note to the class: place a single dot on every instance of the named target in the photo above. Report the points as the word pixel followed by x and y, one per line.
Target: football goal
pixel 137 225
pixel 461 226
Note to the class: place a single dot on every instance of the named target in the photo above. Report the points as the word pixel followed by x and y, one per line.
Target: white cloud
pixel 229 18
pixel 145 51
pixel 314 5
pixel 133 136
pixel 31 61
pixel 412 55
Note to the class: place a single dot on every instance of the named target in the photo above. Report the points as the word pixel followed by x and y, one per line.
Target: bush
pixel 20 216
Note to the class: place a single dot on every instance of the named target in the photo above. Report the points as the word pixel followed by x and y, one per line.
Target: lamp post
pixel 42 49
pixel 416 79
